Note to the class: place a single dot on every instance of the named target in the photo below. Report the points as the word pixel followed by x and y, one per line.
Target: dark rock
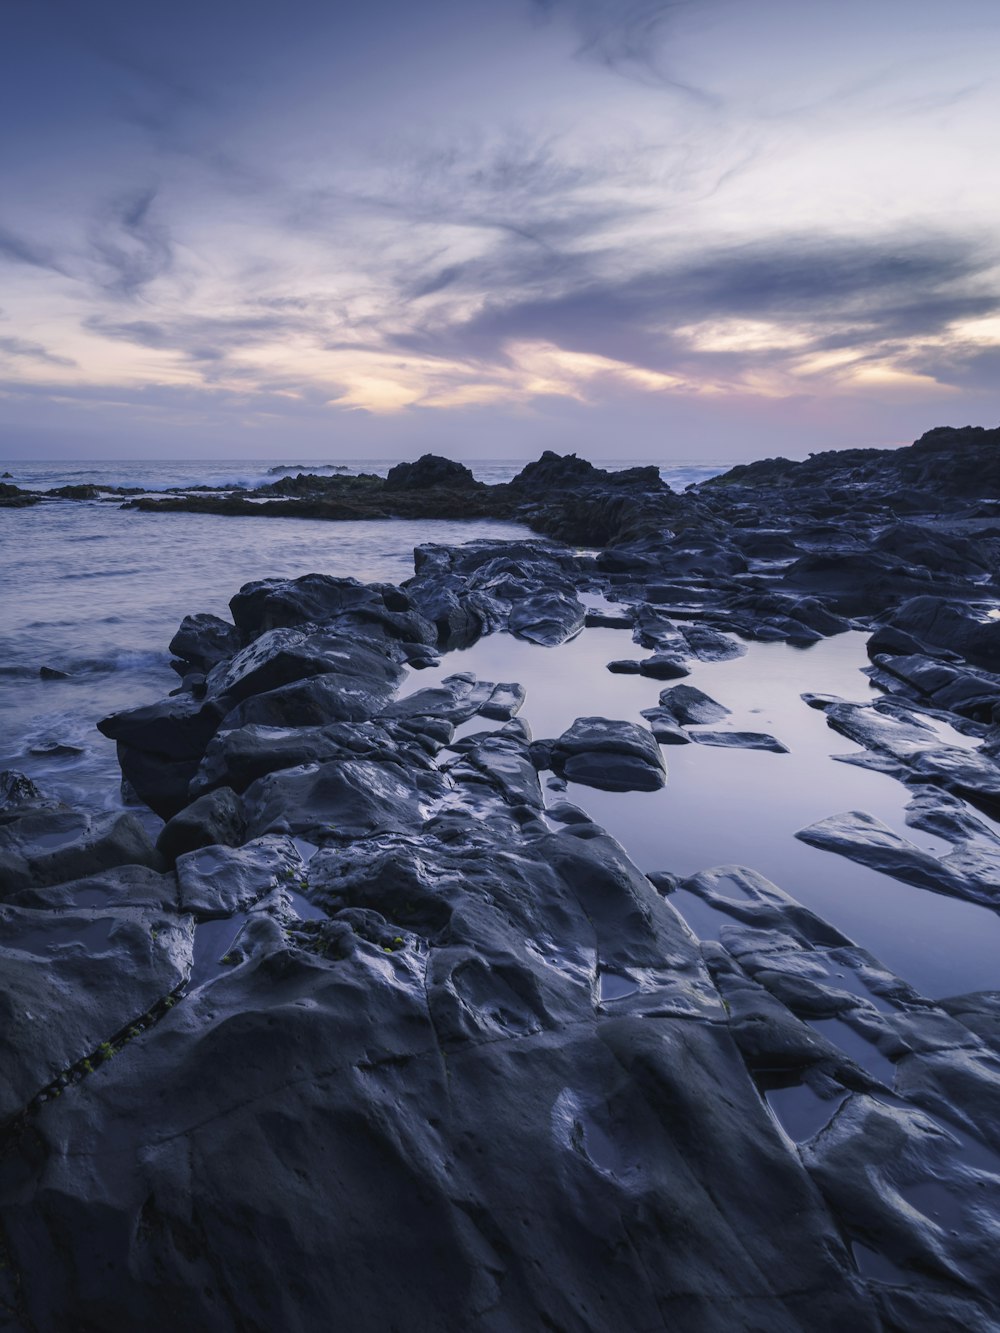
pixel 430 471
pixel 545 617
pixel 690 706
pixel 344 798
pixel 216 881
pixel 662 666
pixel 17 790
pixel 204 640
pixel 313 599
pixel 434 1020
pixel 953 625
pixel 317 701
pixel 47 845
pixel 625 666
pixel 71 980
pixel 238 757
pixel 664 727
pixel 556 472
pixel 739 740
pixel 967 873
pixel 52 673
pixel 216 817
pixel 614 756
pixel 367 673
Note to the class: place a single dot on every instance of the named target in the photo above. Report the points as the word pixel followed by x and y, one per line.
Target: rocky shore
pixel 384 1032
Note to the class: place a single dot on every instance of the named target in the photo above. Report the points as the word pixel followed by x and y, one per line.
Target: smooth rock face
pixel 434 1008
pixel 739 740
pixel 70 979
pixel 214 818
pixel 50 845
pixel 346 798
pixel 690 706
pixel 614 756
pixel 967 872
pixel 367 675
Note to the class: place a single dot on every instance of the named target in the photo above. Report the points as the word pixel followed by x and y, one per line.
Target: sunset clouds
pixel 503 226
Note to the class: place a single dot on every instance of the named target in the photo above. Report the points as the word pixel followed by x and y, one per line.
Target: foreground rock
pixel 614 756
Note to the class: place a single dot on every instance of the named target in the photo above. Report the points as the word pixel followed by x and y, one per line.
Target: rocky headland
pixel 377 1034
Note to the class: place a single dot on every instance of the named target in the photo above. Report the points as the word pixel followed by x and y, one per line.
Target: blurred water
pixel 97 592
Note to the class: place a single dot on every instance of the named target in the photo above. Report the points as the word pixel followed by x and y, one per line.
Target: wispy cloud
pixel 131 246
pixel 22 347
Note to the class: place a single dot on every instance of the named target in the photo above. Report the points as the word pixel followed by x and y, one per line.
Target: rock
pixel 429 471
pixel 690 706
pixel 70 981
pixel 625 666
pixel 204 640
pixel 446 1060
pixel 710 645
pixel 16 790
pixel 122 886
pixel 52 673
pixel 966 873
pixel 344 798
pixel 217 881
pixel 555 472
pixel 312 599
pixel 505 701
pixel 367 674
pixel 239 757
pixel 739 740
pixel 614 756
pixel 664 727
pixel 214 818
pixel 160 746
pixel 953 625
pixel 663 666
pixel 50 844
pixel 546 617
pixel 315 702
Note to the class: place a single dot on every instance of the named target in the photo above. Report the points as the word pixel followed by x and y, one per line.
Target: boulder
pixel 214 818
pixel 611 755
pixel 430 471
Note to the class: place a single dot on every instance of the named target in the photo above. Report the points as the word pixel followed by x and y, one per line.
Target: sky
pixel 695 230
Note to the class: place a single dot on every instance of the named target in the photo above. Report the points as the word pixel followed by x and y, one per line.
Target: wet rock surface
pixel 375 1035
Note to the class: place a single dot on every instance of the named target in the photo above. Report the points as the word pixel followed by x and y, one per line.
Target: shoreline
pixel 452 1011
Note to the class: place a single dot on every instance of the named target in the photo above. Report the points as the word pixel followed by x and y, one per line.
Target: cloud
pixel 628 37
pixel 19 250
pixel 131 247
pixel 20 347
pixel 823 293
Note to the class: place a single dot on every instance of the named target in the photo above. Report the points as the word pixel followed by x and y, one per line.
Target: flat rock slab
pixel 71 979
pixel 966 873
pixel 49 845
pixel 690 706
pixel 610 755
pixel 740 740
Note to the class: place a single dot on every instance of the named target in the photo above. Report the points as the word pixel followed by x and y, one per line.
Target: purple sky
pixel 707 229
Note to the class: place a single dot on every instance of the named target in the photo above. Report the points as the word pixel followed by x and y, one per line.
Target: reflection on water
pixel 723 806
